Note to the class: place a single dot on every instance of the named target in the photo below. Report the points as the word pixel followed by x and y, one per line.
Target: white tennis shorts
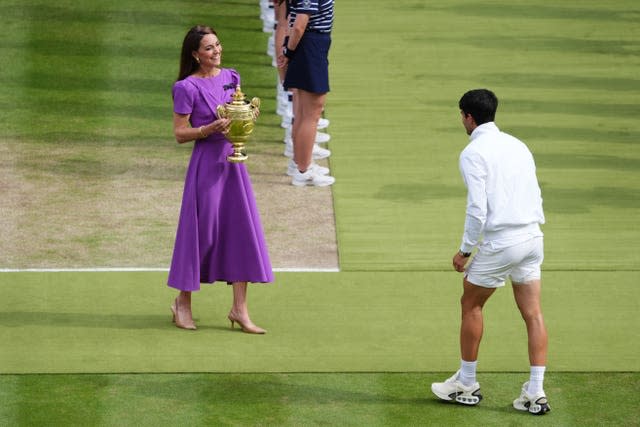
pixel 521 262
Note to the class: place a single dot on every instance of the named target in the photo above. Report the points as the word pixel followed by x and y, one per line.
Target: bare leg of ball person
pixel 307 109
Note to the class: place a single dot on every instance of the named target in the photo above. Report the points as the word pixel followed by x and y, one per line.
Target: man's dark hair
pixel 481 104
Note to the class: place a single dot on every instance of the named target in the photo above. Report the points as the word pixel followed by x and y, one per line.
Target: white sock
pixel 535 379
pixel 467 374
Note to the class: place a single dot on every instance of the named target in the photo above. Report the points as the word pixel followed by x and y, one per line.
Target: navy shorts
pixel 309 68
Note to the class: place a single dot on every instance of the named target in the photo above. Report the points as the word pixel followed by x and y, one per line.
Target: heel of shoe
pixel 249 329
pixel 177 321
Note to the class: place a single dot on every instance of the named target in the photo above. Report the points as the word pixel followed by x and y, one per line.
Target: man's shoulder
pixel 509 136
pixel 473 152
pixel 514 142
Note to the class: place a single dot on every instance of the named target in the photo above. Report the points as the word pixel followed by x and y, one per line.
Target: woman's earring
pixel 197 59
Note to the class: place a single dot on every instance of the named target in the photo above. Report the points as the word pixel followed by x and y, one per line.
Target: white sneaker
pixel 323 123
pixel 268 17
pixel 311 177
pixel 287 120
pixel 536 404
pixel 322 137
pixel 317 153
pixel 453 390
pixel 271 46
pixel 292 168
pixel 283 103
pixel 287 136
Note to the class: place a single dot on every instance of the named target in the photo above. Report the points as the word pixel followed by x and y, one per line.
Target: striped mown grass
pixel 566 75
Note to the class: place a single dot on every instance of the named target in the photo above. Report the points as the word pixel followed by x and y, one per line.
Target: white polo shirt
pixel 504 202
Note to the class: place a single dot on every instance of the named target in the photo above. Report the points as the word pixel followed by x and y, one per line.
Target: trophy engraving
pixel 243 115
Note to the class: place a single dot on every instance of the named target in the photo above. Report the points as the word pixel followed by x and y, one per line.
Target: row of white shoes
pixel 268 15
pixel 315 175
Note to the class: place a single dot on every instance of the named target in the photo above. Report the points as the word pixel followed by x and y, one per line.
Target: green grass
pixel 322 322
pixel 567 79
pixel 377 399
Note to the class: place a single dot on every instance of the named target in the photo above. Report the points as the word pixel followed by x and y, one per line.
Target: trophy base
pixel 237 158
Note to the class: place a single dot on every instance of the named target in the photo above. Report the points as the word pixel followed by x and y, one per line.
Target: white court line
pixel 145 269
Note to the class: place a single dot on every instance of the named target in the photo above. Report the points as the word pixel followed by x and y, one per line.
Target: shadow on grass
pixel 581 161
pixel 364 396
pixel 14 319
pixel 419 193
pixel 577 201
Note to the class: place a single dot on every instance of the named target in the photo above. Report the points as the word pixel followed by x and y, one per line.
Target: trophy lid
pixel 239 104
pixel 238 97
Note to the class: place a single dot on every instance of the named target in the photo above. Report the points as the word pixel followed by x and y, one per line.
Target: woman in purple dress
pixel 219 236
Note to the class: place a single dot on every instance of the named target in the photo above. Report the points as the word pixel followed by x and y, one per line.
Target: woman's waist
pixel 213 144
pixel 214 137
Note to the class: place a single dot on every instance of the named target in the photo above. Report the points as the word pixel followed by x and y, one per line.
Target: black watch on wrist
pixel 287 52
pixel 464 254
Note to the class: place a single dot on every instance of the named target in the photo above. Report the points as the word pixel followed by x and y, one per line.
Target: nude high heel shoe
pixel 180 323
pixel 246 328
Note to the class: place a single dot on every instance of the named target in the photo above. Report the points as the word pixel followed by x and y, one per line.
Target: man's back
pixel 500 173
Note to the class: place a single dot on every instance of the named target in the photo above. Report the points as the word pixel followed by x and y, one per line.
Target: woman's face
pixel 210 51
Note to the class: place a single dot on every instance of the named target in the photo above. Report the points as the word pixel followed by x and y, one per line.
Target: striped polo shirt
pixel 320 14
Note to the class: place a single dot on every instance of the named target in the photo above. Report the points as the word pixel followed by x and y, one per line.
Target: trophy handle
pixel 222 113
pixel 255 103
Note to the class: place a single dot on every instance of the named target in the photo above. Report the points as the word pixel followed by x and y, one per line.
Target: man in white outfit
pixel 503 217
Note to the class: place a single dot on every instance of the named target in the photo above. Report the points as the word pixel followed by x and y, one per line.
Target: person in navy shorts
pixel 304 56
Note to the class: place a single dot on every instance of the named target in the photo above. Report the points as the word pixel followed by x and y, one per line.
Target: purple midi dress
pixel 219 235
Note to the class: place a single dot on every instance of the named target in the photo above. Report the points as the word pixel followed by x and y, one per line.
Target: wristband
pixel 464 254
pixel 288 52
pixel 201 133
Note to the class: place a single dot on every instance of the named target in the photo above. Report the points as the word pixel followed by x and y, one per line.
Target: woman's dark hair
pixel 481 104
pixel 188 64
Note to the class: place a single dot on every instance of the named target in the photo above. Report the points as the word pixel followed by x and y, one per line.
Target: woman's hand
pixel 220 125
pixel 185 133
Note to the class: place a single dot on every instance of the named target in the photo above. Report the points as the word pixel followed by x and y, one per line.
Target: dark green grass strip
pixel 376 399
